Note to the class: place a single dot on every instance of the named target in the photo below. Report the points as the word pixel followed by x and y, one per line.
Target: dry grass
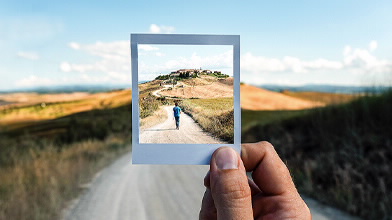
pixel 30 98
pixel 213 115
pixel 253 98
pixel 43 164
pixel 157 117
pixel 341 155
pixel 216 89
pixel 200 81
pixel 38 185
pixel 148 104
pixel 326 98
pixel 11 116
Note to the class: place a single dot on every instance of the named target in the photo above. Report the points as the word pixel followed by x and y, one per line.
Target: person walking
pixel 177 113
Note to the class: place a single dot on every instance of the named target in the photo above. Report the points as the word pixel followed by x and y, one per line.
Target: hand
pixel 231 195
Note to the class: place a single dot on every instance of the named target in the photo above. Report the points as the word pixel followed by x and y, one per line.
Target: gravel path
pixel 190 132
pixel 145 192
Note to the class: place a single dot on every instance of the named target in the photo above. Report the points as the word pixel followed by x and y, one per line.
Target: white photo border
pixel 186 154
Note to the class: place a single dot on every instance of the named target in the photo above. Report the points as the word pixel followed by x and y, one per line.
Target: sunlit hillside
pixel 253 98
pixel 28 108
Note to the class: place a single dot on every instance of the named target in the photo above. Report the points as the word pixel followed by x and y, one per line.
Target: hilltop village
pixel 190 73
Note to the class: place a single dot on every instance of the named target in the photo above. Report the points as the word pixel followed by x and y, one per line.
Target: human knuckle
pixel 236 191
pixel 266 145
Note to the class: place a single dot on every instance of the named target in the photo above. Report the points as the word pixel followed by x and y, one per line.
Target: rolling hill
pixel 254 98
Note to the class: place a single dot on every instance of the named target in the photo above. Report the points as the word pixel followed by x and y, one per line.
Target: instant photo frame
pixel 185 154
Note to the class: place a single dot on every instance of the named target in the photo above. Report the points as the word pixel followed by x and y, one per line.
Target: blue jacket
pixel 176 111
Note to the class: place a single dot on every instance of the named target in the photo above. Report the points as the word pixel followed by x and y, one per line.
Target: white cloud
pixel 159 54
pixel 33 80
pixel 256 64
pixel 158 29
pixel 74 45
pixel 373 45
pixel 147 47
pixel 354 60
pixel 28 55
pixel 361 60
pixel 82 68
pixel 114 62
pixel 65 67
pixel 112 56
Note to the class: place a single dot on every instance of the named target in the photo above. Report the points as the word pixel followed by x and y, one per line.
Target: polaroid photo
pixel 185 97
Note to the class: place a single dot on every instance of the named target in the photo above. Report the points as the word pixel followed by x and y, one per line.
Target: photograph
pixel 116 110
pixel 186 94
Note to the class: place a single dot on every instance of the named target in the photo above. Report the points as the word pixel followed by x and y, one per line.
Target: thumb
pixel 229 185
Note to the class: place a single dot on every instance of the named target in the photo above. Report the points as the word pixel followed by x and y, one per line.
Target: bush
pixel 148 105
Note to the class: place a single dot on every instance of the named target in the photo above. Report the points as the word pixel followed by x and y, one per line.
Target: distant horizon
pixel 105 87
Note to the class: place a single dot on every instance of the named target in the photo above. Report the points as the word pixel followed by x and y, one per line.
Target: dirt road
pixel 145 192
pixel 190 132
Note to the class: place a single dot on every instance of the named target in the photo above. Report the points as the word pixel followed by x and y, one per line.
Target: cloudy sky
pixel 48 43
pixel 156 60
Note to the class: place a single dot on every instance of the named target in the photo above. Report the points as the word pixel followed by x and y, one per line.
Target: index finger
pixel 269 172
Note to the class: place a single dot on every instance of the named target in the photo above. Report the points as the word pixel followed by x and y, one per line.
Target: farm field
pixel 53 156
pixel 323 97
pixel 29 108
pixel 86 131
pixel 339 154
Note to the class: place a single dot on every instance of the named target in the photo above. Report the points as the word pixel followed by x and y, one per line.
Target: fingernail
pixel 226 158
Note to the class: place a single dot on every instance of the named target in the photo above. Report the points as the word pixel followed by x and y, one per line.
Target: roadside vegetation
pixel 340 155
pixel 215 116
pixel 148 105
pixel 47 163
pixel 159 116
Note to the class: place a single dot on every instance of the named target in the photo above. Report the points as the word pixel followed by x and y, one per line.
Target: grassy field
pixel 159 116
pixel 39 184
pixel 44 163
pixel 327 98
pixel 251 118
pixel 340 155
pixel 18 116
pixel 213 115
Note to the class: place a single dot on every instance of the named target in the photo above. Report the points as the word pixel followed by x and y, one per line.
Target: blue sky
pixel 46 43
